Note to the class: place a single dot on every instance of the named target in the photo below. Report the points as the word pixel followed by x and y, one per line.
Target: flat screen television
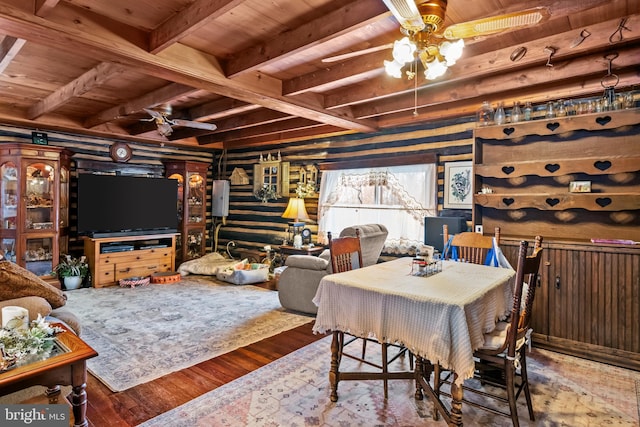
pixel 433 229
pixel 119 205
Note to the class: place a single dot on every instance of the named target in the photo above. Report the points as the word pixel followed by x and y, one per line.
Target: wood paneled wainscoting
pixel 588 301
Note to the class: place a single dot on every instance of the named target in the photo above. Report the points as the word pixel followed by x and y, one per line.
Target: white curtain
pixel 398 197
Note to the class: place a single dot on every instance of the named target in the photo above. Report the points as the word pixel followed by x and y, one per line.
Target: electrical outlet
pixel 479 229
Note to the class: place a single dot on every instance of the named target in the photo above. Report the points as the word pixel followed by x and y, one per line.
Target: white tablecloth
pixel 441 318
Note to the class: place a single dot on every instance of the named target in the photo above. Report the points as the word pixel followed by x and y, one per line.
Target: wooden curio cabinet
pixel 192 204
pixel 34 209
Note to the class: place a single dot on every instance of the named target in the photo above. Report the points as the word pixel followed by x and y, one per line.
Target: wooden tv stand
pixel 113 258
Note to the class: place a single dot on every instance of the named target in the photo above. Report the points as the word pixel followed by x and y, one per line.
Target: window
pixel 270 178
pixel 398 197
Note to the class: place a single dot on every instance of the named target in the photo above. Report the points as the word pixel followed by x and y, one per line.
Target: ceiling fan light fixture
pixel 393 68
pixel 437 54
pixel 452 51
pixel 165 129
pixel 403 50
pixel 435 69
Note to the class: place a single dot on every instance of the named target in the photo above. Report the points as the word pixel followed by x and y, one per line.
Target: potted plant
pixel 72 271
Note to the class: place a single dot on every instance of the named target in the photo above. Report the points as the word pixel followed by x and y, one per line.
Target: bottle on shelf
pixel 485 114
pixel 500 117
pixel 516 112
pixel 561 110
pixel 550 111
pixel 528 111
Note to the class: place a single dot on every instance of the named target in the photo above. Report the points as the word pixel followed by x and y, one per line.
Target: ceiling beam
pixel 345 73
pixel 286 136
pixel 222 107
pixel 9 48
pixel 270 128
pixel 351 17
pixel 255 118
pixel 178 63
pixel 89 80
pixel 185 22
pixel 151 99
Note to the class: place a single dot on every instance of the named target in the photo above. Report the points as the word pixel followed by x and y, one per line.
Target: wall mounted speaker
pixel 220 198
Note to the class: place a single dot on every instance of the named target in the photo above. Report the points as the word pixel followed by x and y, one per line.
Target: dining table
pixel 441 318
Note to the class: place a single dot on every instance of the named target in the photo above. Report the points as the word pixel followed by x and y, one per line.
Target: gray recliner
pixel 299 281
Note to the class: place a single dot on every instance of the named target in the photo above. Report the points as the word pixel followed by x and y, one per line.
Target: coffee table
pixel 66 366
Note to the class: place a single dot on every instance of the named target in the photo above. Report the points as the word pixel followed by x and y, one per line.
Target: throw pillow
pixel 16 282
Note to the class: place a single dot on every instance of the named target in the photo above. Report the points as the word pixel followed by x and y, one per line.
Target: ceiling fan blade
pixel 156 115
pixel 353 54
pixel 407 13
pixel 192 124
pixel 496 24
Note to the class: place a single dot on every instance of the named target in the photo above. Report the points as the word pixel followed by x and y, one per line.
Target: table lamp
pixel 297 212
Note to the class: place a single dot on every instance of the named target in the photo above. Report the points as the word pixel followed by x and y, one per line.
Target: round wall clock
pixel 120 152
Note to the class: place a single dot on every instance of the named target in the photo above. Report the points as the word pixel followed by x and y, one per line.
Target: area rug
pixel 146 332
pixel 294 391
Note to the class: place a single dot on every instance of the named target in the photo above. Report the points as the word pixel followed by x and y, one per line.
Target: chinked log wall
pixel 254 224
pixel 92 155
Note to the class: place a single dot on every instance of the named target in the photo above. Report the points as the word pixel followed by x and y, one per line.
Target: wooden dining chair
pixel 346 255
pixel 470 246
pixel 501 361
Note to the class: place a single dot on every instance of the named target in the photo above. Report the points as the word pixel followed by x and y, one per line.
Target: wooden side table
pixel 69 367
pixel 304 250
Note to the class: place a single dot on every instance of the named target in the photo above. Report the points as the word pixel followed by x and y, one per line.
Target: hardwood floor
pixel 138 404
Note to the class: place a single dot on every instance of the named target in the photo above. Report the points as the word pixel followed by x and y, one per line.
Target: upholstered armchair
pixel 299 281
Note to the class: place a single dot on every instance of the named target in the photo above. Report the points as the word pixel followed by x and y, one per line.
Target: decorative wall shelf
pixel 559 125
pixel 561 201
pixel 527 169
pixel 602 165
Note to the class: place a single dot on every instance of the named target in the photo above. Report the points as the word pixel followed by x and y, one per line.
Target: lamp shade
pixel 296 210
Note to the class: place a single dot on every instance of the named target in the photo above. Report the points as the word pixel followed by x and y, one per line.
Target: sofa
pixel 299 281
pixel 20 287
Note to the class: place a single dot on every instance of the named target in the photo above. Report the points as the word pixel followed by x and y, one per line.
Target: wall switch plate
pixel 479 229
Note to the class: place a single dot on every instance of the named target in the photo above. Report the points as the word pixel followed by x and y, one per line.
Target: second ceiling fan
pixel 160 115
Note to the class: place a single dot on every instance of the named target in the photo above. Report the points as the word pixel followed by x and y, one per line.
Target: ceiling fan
pixel 160 115
pixel 433 45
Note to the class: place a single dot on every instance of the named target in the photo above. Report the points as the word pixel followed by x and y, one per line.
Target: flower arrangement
pixel 266 192
pixel 70 266
pixel 17 344
pixel 307 189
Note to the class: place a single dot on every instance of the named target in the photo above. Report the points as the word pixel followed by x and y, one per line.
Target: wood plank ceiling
pixel 255 68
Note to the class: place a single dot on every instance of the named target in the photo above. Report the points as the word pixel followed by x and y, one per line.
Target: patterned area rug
pixel 144 333
pixel 294 391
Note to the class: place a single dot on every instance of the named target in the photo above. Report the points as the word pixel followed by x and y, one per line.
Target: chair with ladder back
pixel 469 246
pixel 501 361
pixel 346 255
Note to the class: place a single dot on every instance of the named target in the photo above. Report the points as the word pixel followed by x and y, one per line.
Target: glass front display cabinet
pixel 34 221
pixel 192 207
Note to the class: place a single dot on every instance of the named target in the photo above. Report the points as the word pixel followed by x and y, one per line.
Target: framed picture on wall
pixel 458 185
